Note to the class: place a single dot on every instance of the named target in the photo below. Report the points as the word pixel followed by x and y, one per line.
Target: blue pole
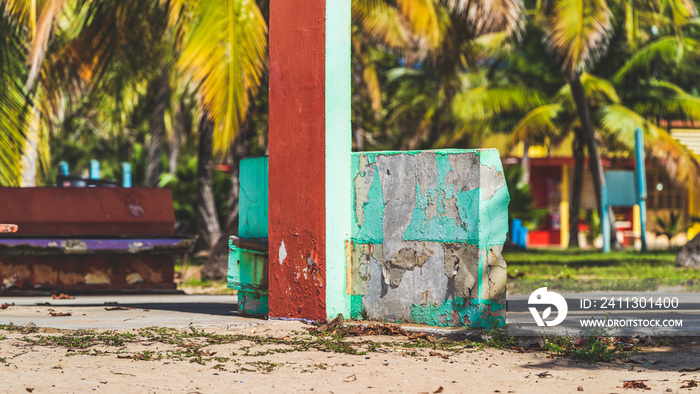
pixel 63 168
pixel 604 221
pixel 641 185
pixel 515 229
pixel 126 174
pixel 94 169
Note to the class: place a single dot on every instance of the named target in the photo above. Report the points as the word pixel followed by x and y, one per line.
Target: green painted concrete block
pixel 253 198
pixel 428 228
pixel 248 269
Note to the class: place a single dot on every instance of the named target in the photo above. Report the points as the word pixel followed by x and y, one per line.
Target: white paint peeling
pixel 282 252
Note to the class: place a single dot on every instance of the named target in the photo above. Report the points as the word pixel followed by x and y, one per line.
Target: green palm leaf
pixel 485 102
pixel 491 16
pixel 226 52
pixel 682 165
pixel 598 91
pixel 382 22
pixel 667 50
pixel 14 105
pixel 661 99
pixel 479 109
pixel 578 32
pixel 539 125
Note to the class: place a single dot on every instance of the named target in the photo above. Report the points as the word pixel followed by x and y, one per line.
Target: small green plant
pixel 265 366
pixel 592 219
pixel 147 355
pixel 589 349
pixel 670 228
pixel 498 337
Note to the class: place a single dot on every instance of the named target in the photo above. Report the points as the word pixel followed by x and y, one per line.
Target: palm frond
pixel 423 16
pixel 578 32
pixel 486 102
pixel 539 125
pixel 14 105
pixel 679 12
pixel 23 11
pixel 666 50
pixel 482 109
pixel 598 91
pixel 662 99
pixel 490 16
pixel 681 164
pixel 226 52
pixel 382 22
pixel 40 39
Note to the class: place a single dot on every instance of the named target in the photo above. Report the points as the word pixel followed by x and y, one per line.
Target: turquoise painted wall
pixel 247 269
pixel 252 203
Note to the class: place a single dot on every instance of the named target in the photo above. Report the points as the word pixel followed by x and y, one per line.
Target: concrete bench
pixel 89 239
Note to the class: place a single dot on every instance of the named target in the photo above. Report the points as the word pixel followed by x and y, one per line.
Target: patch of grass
pixel 593 264
pixel 192 345
pixel 147 355
pixel 265 366
pixel 29 328
pixel 590 349
pixel 498 338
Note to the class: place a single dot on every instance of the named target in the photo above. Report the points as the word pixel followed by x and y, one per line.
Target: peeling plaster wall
pixel 428 228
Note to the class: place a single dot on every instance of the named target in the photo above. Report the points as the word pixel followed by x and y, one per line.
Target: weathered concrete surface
pixel 689 256
pixel 427 235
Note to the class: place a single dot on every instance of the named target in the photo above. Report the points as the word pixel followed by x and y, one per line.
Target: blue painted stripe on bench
pixel 133 244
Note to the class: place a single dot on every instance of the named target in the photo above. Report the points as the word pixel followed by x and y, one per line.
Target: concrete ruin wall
pixel 428 228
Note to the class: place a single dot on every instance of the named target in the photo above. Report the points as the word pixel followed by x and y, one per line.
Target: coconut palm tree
pixel 433 40
pixel 550 118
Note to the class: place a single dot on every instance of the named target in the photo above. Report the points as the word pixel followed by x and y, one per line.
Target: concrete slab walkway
pixel 99 312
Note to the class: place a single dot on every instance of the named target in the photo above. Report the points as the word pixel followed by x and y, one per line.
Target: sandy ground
pixel 31 363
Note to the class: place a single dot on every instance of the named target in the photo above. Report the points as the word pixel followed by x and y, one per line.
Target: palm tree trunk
pixel 182 121
pixel 208 227
pixel 155 147
pixel 358 139
pixel 217 263
pixel 526 163
pixel 595 163
pixel 577 146
pixel 30 153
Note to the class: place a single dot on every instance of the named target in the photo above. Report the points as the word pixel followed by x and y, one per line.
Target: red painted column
pixel 297 225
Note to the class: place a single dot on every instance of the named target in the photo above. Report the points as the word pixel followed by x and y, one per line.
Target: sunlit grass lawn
pixel 593 264
pixel 188 278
